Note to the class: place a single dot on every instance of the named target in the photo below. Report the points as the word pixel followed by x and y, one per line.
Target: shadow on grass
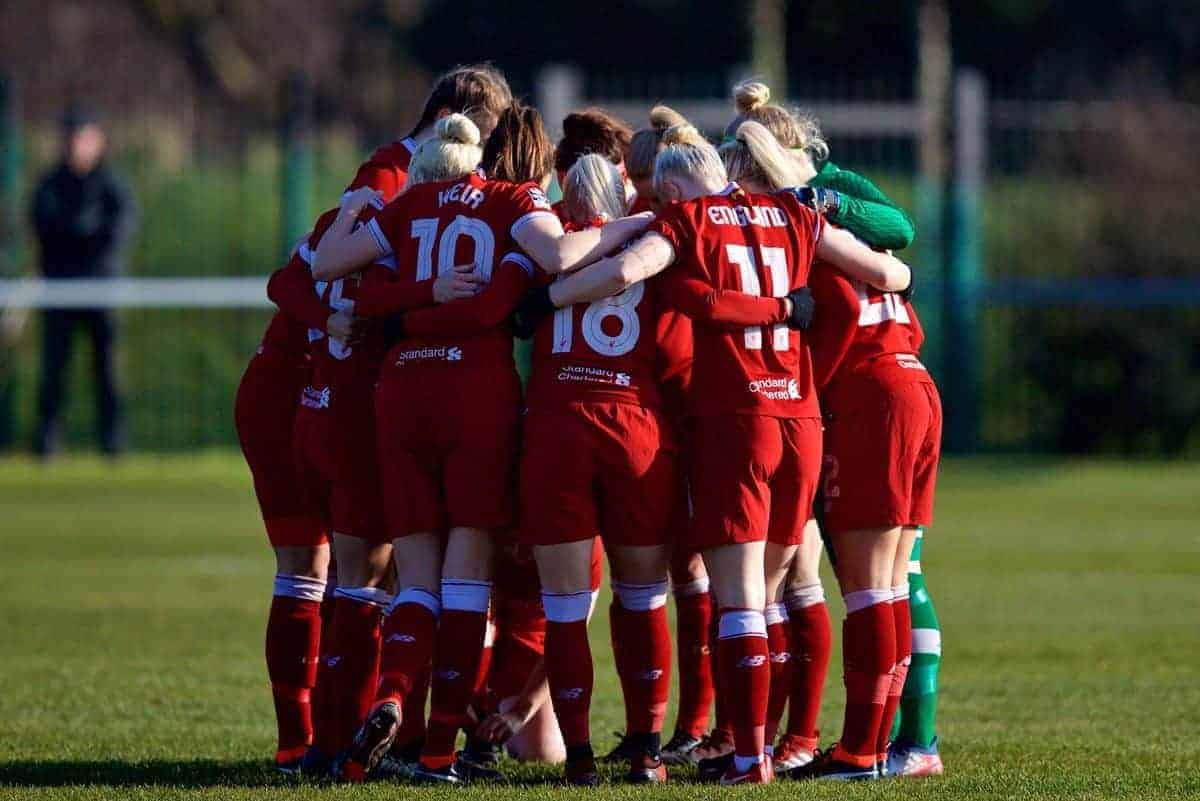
pixel 166 773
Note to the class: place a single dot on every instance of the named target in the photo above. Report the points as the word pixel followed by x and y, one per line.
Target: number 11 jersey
pixel 759 245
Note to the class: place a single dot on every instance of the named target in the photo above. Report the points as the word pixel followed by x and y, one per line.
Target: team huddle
pixel 723 352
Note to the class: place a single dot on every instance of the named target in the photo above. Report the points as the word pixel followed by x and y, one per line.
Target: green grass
pixel 133 596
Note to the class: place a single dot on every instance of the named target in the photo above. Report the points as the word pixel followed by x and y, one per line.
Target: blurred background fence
pixel 1057 249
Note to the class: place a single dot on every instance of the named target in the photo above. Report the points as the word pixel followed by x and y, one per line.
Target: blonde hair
pixel 687 154
pixel 593 189
pixel 452 153
pixel 755 155
pixel 646 143
pixel 794 129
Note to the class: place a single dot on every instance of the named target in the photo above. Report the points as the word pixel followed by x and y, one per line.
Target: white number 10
pixel 775 260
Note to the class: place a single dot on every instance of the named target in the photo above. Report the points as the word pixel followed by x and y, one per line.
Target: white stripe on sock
pixel 803 597
pixel 365 595
pixel 696 587
pixel 775 613
pixel 900 592
pixel 304 588
pixel 465 595
pixel 567 607
pixel 420 597
pixel 926 641
pixel 641 597
pixel 741 623
pixel 861 599
pixel 914 566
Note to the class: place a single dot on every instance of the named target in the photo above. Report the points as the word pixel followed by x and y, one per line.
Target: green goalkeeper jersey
pixel 865 210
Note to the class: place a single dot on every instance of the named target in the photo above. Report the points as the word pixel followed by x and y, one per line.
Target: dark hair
pixel 592 130
pixel 465 89
pixel 519 149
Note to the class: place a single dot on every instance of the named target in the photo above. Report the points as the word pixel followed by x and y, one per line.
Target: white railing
pixel 112 293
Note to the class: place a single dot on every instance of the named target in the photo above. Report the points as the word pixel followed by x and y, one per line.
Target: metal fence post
pixel 296 166
pixel 11 163
pixel 964 263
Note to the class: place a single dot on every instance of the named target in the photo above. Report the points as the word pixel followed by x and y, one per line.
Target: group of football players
pixel 723 351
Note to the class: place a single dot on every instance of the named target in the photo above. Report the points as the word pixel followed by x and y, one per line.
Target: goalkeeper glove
pixel 825 202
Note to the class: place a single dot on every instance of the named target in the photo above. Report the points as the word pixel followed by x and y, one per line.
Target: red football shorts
pixel 753 478
pixel 881 455
pixel 598 467
pixel 339 473
pixel 447 447
pixel 264 412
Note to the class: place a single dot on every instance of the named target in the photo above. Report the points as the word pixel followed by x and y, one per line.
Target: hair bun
pixel 683 134
pixel 664 117
pixel 750 95
pixel 458 128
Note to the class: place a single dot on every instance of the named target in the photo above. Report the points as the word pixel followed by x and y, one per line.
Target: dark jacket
pixel 82 223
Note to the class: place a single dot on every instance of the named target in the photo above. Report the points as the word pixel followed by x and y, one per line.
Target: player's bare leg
pixel 737 575
pixel 292 646
pixel 866 561
pixel 811 641
pixel 640 592
pixel 565 571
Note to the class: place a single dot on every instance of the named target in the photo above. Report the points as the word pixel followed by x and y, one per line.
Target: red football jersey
pixel 601 351
pixel 432 227
pixel 856 323
pixel 759 245
pixel 340 369
pixel 386 171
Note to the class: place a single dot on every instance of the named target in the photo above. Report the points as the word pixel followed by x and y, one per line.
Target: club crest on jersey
pixel 539 198
pixel 313 398
pixel 776 388
pixel 461 193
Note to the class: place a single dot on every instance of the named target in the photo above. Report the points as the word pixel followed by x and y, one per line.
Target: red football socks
pixel 292 647
pixel 745 676
pixel 646 661
pixel 569 662
pixel 811 636
pixel 869 655
pixel 902 616
pixel 781 667
pixel 693 619
pixel 456 663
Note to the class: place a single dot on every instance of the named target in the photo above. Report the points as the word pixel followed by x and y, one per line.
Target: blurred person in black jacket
pixel 83 216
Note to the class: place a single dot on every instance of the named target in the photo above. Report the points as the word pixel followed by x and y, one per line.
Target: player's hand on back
pixel 461 282
pixel 356 201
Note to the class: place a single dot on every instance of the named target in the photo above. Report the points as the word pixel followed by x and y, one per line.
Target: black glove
pixel 907 293
pixel 823 201
pixel 393 329
pixel 802 308
pixel 532 309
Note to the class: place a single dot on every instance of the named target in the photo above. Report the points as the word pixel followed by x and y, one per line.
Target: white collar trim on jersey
pixel 410 144
pixel 729 189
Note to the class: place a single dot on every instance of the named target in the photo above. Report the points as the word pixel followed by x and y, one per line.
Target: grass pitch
pixel 133 597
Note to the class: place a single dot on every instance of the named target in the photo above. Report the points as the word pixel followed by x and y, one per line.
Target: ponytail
pixel 452 153
pixel 755 155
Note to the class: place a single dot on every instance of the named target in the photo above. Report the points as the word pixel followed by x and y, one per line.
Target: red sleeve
pixel 674 226
pixel 291 289
pixel 481 313
pixel 719 307
pixel 673 336
pixel 835 309
pixel 384 297
pixel 526 202
pixel 380 177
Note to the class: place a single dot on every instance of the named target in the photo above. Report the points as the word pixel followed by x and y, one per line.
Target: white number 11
pixel 775 260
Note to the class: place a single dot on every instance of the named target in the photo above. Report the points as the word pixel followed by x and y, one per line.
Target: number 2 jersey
pixel 759 245
pixel 433 227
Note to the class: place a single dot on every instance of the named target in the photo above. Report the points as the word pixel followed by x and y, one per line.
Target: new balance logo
pixel 654 674
pixel 449 674
pixel 332 661
pixel 752 661
pixel 401 638
pixel 569 694
pixel 782 657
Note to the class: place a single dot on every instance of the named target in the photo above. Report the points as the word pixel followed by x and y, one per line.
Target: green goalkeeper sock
pixel 916 720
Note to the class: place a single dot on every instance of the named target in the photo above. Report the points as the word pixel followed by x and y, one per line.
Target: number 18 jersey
pixel 758 245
